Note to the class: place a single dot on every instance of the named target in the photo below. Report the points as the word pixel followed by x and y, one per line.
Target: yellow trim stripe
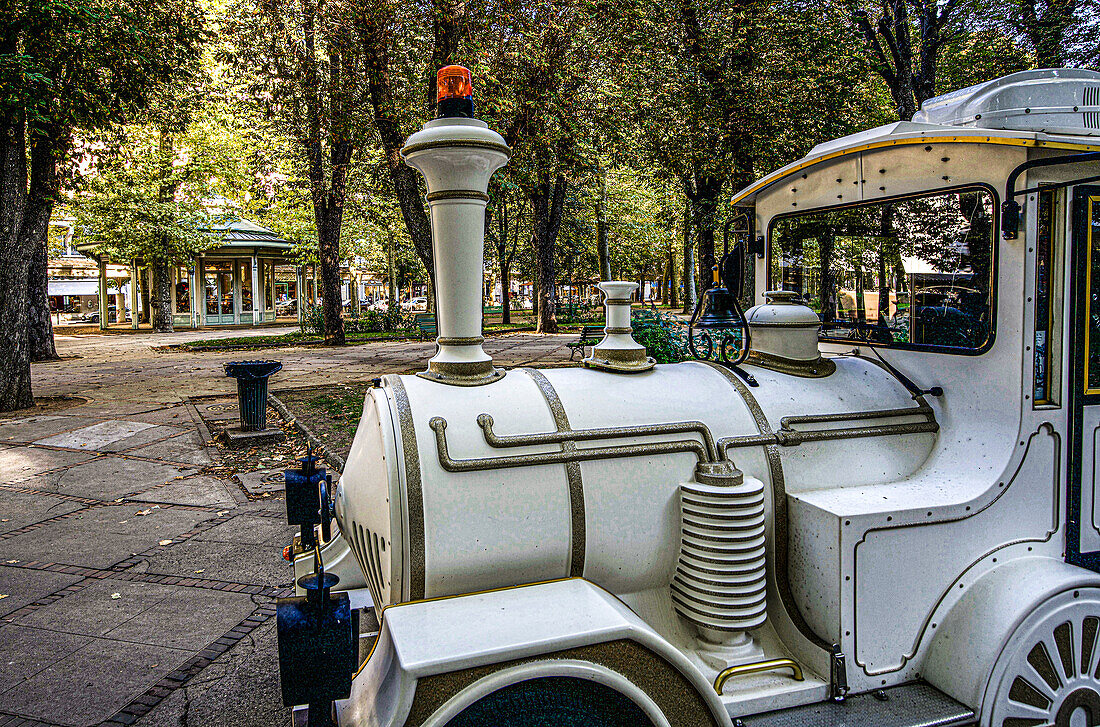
pixel 1002 141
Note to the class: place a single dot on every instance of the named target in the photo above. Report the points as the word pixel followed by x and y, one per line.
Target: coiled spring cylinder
pixel 719 584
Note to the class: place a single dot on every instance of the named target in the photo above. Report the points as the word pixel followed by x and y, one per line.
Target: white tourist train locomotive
pixel 884 513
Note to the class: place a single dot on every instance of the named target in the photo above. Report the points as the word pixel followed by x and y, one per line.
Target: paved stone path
pixel 135 587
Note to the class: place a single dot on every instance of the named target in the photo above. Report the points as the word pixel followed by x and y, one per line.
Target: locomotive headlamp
pixel 454 93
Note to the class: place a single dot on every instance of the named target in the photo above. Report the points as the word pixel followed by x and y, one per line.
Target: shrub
pixel 375 321
pixel 313 320
pixel 663 335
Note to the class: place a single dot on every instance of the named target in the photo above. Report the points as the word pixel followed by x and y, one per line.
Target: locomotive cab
pixel 884 515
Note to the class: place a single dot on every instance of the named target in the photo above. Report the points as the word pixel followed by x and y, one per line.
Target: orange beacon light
pixel 454 92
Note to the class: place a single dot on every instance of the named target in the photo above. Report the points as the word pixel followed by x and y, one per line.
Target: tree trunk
pixel 535 296
pixel 391 271
pixel 689 260
pixel 40 325
pixel 828 285
pixel 387 122
pixel 673 282
pixel 328 241
pixel 160 299
pixel 705 195
pixel 505 293
pixel 547 201
pixel 602 251
pixel 44 183
pixel 15 362
pixel 145 286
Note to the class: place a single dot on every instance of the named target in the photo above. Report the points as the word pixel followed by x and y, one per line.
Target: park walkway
pixel 138 576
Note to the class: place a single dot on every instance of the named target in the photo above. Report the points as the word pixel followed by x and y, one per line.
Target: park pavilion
pixel 248 279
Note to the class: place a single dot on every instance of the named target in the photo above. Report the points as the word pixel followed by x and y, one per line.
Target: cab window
pixel 915 272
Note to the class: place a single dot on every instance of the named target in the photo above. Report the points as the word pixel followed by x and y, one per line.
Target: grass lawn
pixel 331 412
pixel 298 338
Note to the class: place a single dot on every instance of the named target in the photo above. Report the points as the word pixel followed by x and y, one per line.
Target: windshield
pixel 912 273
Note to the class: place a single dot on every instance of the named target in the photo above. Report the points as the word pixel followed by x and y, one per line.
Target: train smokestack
pixel 457 154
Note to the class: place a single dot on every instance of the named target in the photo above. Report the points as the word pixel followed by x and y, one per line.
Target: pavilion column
pixel 133 294
pixel 200 292
pixel 257 293
pixel 192 294
pixel 353 286
pixel 273 290
pixel 236 278
pixel 102 293
pixel 301 293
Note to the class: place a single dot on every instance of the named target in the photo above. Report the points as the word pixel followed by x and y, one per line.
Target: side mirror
pixel 1010 219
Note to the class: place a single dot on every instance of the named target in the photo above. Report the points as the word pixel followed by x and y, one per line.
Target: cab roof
pixel 1051 108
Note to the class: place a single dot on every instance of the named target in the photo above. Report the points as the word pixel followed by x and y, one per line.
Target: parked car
pixel 417 303
pixel 112 315
pixel 287 307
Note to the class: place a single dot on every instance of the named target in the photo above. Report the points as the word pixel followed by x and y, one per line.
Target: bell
pixel 719 310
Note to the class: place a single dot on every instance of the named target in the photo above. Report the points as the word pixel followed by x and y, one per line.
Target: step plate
pixel 911 705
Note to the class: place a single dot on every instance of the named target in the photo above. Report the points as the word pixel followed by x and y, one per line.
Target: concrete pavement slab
pixel 101 607
pixel 136 444
pixel 262 481
pixel 92 683
pixel 171 415
pixel 25 652
pixel 108 478
pixel 119 406
pixel 240 689
pixel 186 448
pixel 28 429
pixel 95 436
pixel 102 536
pixel 23 586
pixel 19 463
pixel 197 490
pixel 189 619
pixel 260 565
pixel 18 509
pixel 252 529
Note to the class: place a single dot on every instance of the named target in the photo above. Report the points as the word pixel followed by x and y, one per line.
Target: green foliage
pixel 313 320
pixel 86 62
pixel 379 321
pixel 664 336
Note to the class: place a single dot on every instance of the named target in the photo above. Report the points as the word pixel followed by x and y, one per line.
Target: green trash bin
pixel 251 379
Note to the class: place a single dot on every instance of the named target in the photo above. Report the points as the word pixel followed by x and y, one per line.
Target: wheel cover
pixel 1049 675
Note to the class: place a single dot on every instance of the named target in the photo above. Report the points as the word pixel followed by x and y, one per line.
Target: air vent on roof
pixel 1053 101
pixel 1091 97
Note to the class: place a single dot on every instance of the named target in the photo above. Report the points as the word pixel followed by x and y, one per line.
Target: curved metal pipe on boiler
pixel 485 421
pixel 439 426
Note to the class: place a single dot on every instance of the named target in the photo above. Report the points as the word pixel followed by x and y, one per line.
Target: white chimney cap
pixel 1050 100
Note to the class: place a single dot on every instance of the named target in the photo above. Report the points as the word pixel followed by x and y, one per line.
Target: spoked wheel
pixel 1049 673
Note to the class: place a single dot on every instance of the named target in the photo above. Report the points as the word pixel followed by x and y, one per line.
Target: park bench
pixel 425 324
pixel 590 335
